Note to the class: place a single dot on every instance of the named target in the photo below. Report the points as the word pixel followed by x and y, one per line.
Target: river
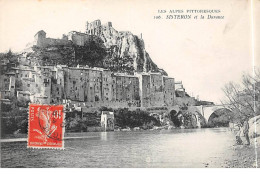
pixel 164 148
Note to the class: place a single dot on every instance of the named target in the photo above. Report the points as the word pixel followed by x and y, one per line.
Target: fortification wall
pixel 185 100
pixel 44 42
pixel 78 38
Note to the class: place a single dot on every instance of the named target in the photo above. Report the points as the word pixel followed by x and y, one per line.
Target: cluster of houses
pixel 86 86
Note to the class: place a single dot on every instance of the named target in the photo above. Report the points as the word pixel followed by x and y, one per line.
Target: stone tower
pixel 39 38
pixel 93 28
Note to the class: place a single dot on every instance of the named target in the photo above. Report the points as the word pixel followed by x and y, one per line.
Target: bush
pixel 14 120
pixel 125 118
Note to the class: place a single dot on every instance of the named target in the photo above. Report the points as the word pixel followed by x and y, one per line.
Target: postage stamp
pixel 46 126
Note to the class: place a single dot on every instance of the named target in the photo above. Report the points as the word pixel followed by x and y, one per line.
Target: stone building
pixel 43 84
pixel 27 85
pixel 144 88
pixel 7 86
pixel 83 84
pixel 107 121
pixel 75 83
pixel 95 27
pixel 51 79
pixel 93 87
pixel 95 84
pixel 168 90
pixel 182 97
pixel 126 89
pixel 156 90
pixel 57 85
pixel 107 86
pixel 43 94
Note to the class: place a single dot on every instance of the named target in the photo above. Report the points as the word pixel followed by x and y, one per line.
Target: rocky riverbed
pixel 245 156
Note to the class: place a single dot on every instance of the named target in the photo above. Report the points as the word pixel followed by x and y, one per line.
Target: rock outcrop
pixel 127 50
pixel 107 48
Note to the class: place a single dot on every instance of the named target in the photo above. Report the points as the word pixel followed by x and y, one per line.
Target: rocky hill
pixel 111 49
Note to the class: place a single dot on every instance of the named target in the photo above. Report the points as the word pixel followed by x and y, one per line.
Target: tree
pixel 243 99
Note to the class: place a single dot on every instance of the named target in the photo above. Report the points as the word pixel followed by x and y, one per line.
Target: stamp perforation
pixel 60 127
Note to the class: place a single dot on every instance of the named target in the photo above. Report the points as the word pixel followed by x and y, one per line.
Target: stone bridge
pixel 206 110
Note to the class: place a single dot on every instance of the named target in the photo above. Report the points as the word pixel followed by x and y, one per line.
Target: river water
pixel 164 148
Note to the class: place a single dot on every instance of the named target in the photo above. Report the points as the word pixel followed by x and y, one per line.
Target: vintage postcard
pixel 130 84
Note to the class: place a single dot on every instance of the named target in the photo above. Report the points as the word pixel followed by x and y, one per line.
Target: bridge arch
pixel 174 117
pixel 225 119
pixel 208 111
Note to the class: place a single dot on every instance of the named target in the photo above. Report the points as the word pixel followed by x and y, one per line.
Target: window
pixel 28 85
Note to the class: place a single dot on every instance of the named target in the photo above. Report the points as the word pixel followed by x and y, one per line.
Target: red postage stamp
pixel 46 126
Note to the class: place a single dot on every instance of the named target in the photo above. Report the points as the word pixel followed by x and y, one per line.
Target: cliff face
pixel 127 50
pixel 117 51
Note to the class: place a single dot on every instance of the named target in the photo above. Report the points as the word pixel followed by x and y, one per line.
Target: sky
pixel 203 54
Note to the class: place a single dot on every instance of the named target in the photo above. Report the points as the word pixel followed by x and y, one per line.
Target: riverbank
pixel 245 156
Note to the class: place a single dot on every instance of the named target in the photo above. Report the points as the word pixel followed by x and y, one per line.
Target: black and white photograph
pixel 130 83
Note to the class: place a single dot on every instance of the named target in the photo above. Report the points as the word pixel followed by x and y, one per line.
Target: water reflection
pixel 165 148
pixel 103 136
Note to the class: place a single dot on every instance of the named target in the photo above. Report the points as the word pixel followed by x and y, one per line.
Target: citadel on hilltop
pixel 77 38
pixel 82 86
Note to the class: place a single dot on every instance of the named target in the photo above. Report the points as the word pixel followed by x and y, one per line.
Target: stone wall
pixel 45 42
pixel 188 101
pixel 169 91
pixel 78 38
pixel 42 41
